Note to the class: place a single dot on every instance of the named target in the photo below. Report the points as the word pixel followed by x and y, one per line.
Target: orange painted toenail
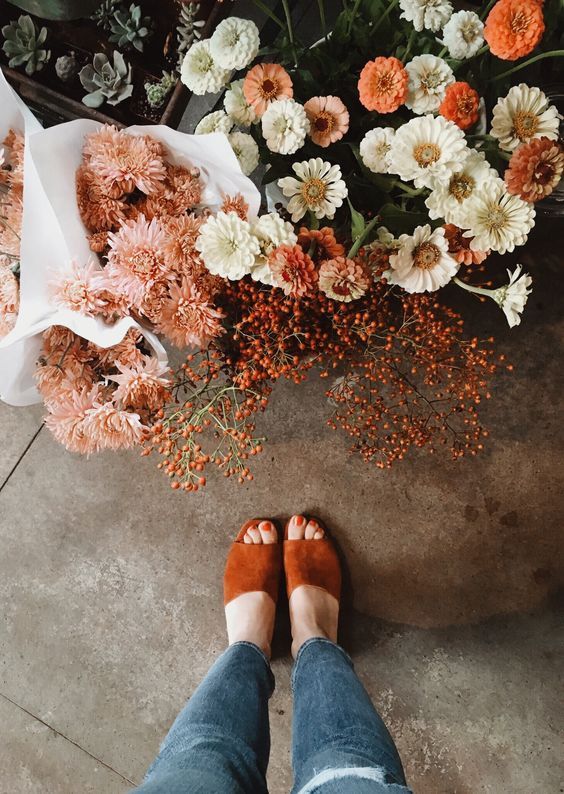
pixel 300 520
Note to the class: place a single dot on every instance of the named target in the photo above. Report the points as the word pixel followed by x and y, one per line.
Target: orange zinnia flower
pixel 460 105
pixel 459 246
pixel 325 240
pixel 535 169
pixel 383 85
pixel 514 28
pixel 265 83
pixel 329 119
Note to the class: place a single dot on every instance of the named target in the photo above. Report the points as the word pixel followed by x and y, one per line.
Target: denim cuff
pixel 317 641
pixel 262 655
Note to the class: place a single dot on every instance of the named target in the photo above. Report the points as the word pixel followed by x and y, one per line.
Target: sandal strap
pixel 314 563
pixel 251 567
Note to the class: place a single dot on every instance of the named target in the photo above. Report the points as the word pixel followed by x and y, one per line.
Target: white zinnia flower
pixel 200 72
pixel 237 107
pixel 375 148
pixel 218 121
pixel 463 34
pixel 227 246
pixel 422 263
pixel 284 126
pixel 522 115
pixel 429 77
pixel 498 220
pixel 427 150
pixel 319 188
pixel 513 296
pixel 271 231
pixel 450 200
pixel 235 43
pixel 430 14
pixel 246 150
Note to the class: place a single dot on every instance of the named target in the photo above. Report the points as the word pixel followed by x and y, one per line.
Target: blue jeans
pixel 220 742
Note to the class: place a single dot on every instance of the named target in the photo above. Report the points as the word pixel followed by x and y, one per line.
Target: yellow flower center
pixel 519 22
pixel 269 88
pixel 314 192
pixel 525 124
pixel 461 186
pixel 496 219
pixel 426 154
pixel 384 83
pixel 426 256
pixel 324 122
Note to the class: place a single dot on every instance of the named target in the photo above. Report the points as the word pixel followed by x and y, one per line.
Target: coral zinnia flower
pixel 265 83
pixel 514 28
pixel 383 85
pixel 329 119
pixel 136 259
pixel 327 245
pixel 188 318
pixel 535 169
pixel 293 270
pixel 343 279
pixel 460 105
pixel 459 246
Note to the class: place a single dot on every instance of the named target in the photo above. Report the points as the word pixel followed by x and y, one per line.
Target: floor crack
pixel 21 457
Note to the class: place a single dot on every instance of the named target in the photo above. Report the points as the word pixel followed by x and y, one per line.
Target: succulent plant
pixel 22 44
pixel 104 82
pixel 105 12
pixel 189 29
pixel 158 92
pixel 67 67
pixel 129 28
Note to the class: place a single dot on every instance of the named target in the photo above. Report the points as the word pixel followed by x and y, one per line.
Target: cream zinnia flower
pixel 375 149
pixel 227 246
pixel 513 296
pixel 429 77
pixel 427 150
pixel 235 43
pixel 246 151
pixel 422 263
pixel 449 200
pixel 463 34
pixel 318 188
pixel 498 220
pixel 237 107
pixel 271 231
pixel 284 126
pixel 200 72
pixel 430 14
pixel 218 121
pixel 522 115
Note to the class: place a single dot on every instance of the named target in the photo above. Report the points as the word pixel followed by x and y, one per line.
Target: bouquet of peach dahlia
pixel 11 206
pixel 398 160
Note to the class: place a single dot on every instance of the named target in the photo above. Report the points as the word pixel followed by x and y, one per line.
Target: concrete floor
pixel 111 596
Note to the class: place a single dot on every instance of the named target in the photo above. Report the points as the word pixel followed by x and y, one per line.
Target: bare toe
pixel 254 535
pixel 296 528
pixel 268 532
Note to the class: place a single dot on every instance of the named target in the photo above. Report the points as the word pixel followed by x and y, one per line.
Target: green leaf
pixel 400 221
pixel 357 222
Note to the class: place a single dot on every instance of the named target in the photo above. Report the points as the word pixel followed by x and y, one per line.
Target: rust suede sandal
pixel 312 562
pixel 252 567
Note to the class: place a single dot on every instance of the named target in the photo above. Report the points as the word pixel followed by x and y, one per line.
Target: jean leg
pixel 220 741
pixel 340 743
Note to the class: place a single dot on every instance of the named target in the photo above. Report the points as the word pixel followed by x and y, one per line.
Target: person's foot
pixel 250 616
pixel 313 611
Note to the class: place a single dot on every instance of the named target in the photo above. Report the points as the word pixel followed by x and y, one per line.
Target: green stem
pixel 321 7
pixel 411 191
pixel 386 13
pixel 362 237
pixel 470 288
pixel 410 41
pixel 551 54
pixel 269 13
pixel 487 9
pixel 352 17
pixel 288 15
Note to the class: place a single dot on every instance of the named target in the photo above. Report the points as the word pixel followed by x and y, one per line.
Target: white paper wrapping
pixel 53 234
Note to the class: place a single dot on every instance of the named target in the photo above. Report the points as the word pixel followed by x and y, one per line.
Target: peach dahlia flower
pixel 265 83
pixel 383 85
pixel 329 119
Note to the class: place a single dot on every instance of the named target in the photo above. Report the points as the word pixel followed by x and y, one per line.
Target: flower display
pixel 514 28
pixel 463 34
pixel 524 114
pixel 235 43
pixel 382 85
pixel 11 210
pixel 535 169
pixel 428 78
pixel 329 119
pixel 375 149
pixel 423 262
pixel 318 189
pixel 433 160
